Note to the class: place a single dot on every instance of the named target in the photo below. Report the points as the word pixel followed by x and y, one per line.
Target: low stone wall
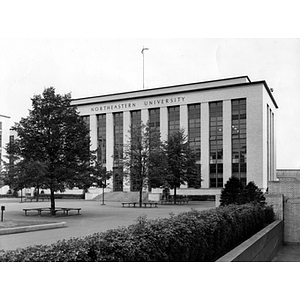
pixel 260 247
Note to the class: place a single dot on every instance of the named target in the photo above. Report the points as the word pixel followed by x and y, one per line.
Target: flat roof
pixel 205 85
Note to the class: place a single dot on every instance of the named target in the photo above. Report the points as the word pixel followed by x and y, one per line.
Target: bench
pixel 67 209
pixel 129 204
pixel 150 204
pixel 34 198
pixel 64 210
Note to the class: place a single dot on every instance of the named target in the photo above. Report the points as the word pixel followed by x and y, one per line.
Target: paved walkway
pixel 288 253
pixel 94 217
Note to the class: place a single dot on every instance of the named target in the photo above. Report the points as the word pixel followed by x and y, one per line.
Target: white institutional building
pixel 230 124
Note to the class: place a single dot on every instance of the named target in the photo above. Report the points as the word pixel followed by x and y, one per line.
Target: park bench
pixel 67 209
pixel 128 204
pixel 150 204
pixel 36 199
pixel 64 210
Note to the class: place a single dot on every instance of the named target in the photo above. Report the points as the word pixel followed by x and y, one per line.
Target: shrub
pixel 189 236
pixel 235 193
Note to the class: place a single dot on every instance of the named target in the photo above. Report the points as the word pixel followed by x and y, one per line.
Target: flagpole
pixel 144 66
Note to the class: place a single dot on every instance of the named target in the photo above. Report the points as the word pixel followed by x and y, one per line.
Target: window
pixel 216 143
pixel 118 152
pixel 101 138
pixel 239 142
pixel 173 119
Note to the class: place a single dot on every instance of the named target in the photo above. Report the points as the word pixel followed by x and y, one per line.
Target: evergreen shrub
pixel 200 236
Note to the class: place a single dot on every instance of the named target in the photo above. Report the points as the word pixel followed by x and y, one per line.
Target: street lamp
pixel 144 66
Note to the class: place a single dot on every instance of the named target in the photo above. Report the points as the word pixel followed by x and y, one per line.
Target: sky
pixel 95 66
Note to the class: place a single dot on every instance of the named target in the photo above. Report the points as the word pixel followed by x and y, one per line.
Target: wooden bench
pixel 64 210
pixel 129 204
pixel 150 204
pixel 39 210
pixel 67 209
pixel 34 198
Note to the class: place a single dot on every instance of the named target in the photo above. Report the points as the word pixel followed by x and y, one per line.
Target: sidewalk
pixel 288 253
pixel 94 218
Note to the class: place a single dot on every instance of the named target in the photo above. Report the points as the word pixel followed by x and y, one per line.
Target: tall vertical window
pixel 118 152
pixel 239 141
pixel 194 133
pixel 101 138
pixel 194 130
pixel 173 119
pixel 135 123
pixel 216 144
pixel 135 118
pixel 154 118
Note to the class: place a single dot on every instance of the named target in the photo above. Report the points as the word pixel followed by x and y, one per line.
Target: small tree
pixel 99 177
pixel 231 193
pixel 252 193
pixel 181 161
pixel 142 158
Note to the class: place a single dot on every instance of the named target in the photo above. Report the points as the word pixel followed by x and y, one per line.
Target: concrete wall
pixel 284 196
pixel 261 247
pixel 292 220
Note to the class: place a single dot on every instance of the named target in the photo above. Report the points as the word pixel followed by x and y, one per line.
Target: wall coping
pixel 245 246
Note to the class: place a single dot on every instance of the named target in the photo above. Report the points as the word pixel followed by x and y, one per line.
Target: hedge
pixel 189 236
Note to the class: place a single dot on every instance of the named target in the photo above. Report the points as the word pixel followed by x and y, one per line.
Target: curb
pixel 31 228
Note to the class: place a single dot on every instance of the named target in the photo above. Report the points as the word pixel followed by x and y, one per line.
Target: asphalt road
pixel 94 217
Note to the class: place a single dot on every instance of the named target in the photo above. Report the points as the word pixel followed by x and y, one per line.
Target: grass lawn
pixel 18 223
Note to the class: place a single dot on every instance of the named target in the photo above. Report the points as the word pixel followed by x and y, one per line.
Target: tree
pixel 235 193
pixel 99 177
pixel 231 193
pixel 252 193
pixel 55 136
pixel 181 161
pixel 142 159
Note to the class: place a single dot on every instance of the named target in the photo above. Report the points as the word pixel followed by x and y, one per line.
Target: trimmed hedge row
pixel 189 236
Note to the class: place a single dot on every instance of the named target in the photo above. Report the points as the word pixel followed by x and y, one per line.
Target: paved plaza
pixel 94 217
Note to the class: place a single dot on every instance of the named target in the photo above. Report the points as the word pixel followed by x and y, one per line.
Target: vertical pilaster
pixel 205 145
pixel 144 116
pixel 109 145
pixel 93 132
pixel 227 147
pixel 184 117
pixel 163 123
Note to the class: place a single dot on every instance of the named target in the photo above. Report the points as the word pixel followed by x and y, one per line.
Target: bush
pixel 189 236
pixel 235 193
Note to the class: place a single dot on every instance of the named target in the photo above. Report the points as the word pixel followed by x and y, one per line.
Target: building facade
pixel 230 124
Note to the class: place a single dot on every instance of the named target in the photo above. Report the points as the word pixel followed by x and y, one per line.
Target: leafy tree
pixel 252 193
pixel 99 177
pixel 232 191
pixel 142 159
pixel 181 161
pixel 235 193
pixel 54 136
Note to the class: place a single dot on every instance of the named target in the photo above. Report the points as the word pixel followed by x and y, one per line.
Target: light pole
pixel 144 66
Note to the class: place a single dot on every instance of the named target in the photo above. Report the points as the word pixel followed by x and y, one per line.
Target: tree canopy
pixel 55 138
pixel 181 161
pixel 142 158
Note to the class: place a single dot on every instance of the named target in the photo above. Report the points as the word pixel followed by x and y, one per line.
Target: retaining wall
pixel 261 247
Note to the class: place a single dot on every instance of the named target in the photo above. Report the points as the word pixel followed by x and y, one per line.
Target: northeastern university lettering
pixel 164 101
pixel 130 105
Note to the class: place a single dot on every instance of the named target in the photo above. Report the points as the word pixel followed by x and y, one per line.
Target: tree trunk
pixel 141 196
pixel 175 194
pixel 52 201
